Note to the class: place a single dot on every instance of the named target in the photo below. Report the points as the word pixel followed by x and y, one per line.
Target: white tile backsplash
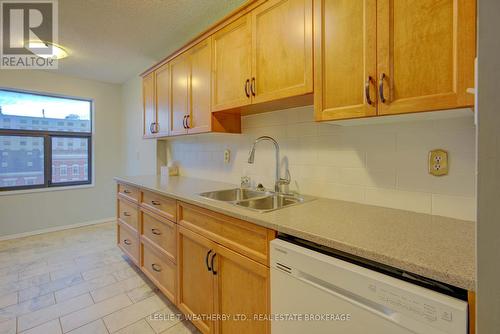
pixel 379 164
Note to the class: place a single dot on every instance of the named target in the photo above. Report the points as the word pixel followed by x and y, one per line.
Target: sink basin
pixel 270 203
pixel 232 195
pixel 260 201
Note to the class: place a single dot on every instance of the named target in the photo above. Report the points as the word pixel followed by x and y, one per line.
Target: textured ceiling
pixel 113 40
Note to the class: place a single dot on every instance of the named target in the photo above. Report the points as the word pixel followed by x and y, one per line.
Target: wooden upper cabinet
pixel 149 108
pixel 282 56
pixel 196 287
pixel 179 93
pixel 345 59
pixel 232 65
pixel 162 89
pixel 241 288
pixel 425 52
pixel 200 116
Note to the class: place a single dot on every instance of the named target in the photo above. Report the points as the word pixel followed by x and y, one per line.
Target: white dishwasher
pixel 313 292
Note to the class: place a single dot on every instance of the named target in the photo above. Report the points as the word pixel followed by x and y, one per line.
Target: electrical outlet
pixel 227 156
pixel 438 162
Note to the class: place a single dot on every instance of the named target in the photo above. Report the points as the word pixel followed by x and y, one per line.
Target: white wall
pixel 139 155
pixel 488 220
pixel 383 165
pixel 41 210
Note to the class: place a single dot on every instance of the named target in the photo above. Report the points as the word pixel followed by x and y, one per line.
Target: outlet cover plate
pixel 438 162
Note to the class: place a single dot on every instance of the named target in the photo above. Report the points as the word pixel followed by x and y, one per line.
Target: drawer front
pixel 240 236
pixel 161 205
pixel 128 241
pixel 160 232
pixel 129 192
pixel 128 213
pixel 161 271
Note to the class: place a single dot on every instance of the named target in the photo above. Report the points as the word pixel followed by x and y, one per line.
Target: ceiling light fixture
pixel 58 52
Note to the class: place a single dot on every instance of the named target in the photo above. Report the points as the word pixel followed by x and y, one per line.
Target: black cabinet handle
pixel 252 86
pixel 156 267
pixel 187 122
pixel 151 128
pixel 381 88
pixel 184 122
pixel 155 203
pixel 155 231
pixel 206 260
pixel 212 264
pixel 367 90
pixel 126 214
pixel 247 86
pixel 127 242
pixel 126 191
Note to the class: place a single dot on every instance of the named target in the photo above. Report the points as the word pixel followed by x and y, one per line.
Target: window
pixel 46 140
pixel 63 171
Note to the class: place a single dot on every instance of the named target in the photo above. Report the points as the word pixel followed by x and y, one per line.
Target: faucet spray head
pixel 251 156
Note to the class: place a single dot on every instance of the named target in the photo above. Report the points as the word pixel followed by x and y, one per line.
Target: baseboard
pixel 55 229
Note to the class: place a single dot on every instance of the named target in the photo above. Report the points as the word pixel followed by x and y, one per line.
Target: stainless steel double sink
pixel 260 201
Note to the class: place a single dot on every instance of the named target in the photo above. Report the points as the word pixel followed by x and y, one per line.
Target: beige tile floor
pixel 77 281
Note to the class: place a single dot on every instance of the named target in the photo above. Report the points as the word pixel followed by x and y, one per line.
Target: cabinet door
pixel 179 93
pixel 200 116
pixel 148 100
pixel 242 288
pixel 162 100
pixel 425 51
pixel 195 295
pixel 232 65
pixel 345 59
pixel 282 63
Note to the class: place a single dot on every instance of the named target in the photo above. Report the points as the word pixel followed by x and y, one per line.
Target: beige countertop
pixel 436 247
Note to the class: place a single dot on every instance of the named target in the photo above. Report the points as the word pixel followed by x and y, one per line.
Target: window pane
pixel 21 161
pixel 69 159
pixel 24 111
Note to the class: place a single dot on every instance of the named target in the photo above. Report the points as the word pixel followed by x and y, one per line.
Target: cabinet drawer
pixel 160 270
pixel 240 236
pixel 161 205
pixel 161 232
pixel 128 213
pixel 128 241
pixel 129 192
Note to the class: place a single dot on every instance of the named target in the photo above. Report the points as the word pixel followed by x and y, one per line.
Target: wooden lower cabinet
pixel 128 241
pixel 241 292
pixel 159 269
pixel 213 267
pixel 224 292
pixel 196 282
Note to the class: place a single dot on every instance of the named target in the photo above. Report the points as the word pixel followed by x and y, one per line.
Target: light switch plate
pixel 438 162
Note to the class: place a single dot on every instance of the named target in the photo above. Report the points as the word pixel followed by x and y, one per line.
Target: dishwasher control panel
pixel 425 310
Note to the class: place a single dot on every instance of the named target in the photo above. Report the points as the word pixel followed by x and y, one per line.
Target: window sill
pixel 41 190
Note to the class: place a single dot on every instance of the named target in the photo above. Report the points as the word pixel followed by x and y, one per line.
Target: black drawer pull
pixel 126 191
pixel 155 203
pixel 127 242
pixel 156 267
pixel 126 214
pixel 155 231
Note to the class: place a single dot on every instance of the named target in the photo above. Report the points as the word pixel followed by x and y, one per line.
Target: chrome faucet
pixel 279 181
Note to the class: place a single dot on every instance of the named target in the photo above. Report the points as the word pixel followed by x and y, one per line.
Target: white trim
pixel 41 190
pixel 55 229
